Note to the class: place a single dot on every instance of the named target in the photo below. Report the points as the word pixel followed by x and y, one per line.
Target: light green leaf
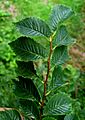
pixel 30 109
pixel 57 77
pixel 9 115
pixel 26 69
pixel 26 89
pixel 59 14
pixel 49 118
pixel 63 37
pixel 27 49
pixel 57 105
pixel 33 27
pixel 60 55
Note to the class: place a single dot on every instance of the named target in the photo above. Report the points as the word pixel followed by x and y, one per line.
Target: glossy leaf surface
pixel 58 104
pixel 27 49
pixel 33 27
pixel 60 55
pixel 59 14
pixel 63 37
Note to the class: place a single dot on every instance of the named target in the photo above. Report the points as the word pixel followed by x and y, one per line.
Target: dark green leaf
pixel 62 37
pixel 60 55
pixel 27 49
pixel 29 108
pixel 25 88
pixel 49 118
pixel 59 14
pixel 9 115
pixel 33 27
pixel 26 69
pixel 57 77
pixel 57 105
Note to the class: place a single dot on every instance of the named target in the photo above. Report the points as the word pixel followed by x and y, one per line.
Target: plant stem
pixel 46 80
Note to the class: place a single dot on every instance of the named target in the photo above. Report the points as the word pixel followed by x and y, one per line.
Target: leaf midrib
pixel 35 31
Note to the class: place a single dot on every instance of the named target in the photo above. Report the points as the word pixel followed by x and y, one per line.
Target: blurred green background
pixel 12 11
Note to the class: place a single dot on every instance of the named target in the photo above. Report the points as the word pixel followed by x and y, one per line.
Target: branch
pixel 46 80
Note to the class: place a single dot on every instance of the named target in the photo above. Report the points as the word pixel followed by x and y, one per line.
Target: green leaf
pixel 60 55
pixel 29 108
pixel 59 14
pixel 26 69
pixel 62 37
pixel 40 86
pixel 33 27
pixel 57 77
pixel 27 49
pixel 25 88
pixel 49 118
pixel 57 105
pixel 69 117
pixel 9 115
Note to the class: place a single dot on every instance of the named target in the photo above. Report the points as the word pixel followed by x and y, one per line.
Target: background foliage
pixel 12 11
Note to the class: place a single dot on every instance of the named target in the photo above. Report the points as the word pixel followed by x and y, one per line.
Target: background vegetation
pixel 14 10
